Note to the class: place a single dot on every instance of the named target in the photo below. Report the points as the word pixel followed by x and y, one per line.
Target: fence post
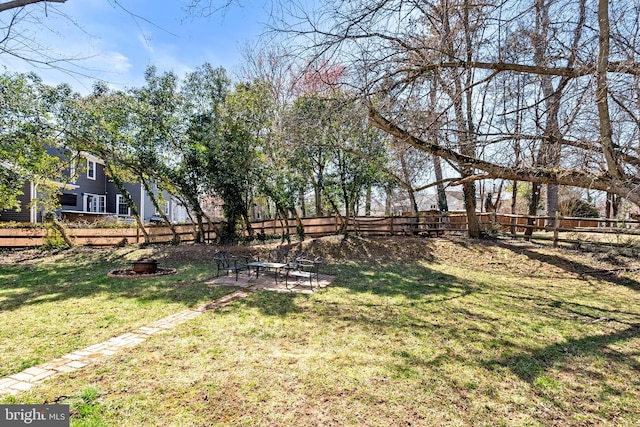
pixel 556 226
pixel 391 226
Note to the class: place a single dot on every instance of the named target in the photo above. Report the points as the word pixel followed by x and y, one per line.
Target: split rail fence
pixel 557 229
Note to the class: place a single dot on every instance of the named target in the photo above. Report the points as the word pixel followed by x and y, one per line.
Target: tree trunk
pixel 552 204
pixel 442 195
pixel 612 206
pixel 318 200
pixel 533 209
pixel 462 99
pixel 627 188
pixel 550 147
pixel 318 189
pixel 199 233
pixel 127 196
pixel 602 92
pixel 200 236
pixel 60 229
pixel 284 225
pixel 228 232
pixel 299 224
pixel 407 179
pixel 387 201
pixel 433 135
pixel 247 225
pixel 343 221
pixel 469 192
pixel 175 240
pixel 514 199
pixel 303 205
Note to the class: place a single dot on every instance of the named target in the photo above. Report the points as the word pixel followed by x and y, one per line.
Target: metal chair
pixel 303 268
pixel 227 262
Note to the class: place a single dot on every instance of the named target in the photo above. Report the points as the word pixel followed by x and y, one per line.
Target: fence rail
pixel 425 224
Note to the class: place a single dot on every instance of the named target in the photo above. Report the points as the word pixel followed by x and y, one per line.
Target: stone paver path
pixel 22 381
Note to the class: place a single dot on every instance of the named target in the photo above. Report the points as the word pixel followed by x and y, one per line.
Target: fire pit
pixel 143 267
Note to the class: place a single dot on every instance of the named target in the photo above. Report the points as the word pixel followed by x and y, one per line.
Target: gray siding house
pixel 25 214
pixel 92 196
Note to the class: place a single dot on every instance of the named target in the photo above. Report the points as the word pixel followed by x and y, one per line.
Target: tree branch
pixel 21 3
pixel 625 67
pixel 628 188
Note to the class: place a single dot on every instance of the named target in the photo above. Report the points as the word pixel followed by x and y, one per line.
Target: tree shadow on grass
pixel 564 309
pixel 529 366
pixel 24 285
pixel 273 303
pixel 565 263
pixel 411 281
pixel 406 284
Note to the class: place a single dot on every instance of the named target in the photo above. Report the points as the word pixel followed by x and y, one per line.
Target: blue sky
pixel 117 47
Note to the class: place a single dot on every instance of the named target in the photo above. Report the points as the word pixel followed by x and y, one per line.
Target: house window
pixel 91 169
pixel 68 199
pixel 122 205
pixel 166 209
pixel 95 203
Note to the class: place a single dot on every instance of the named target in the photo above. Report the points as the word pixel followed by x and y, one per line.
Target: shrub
pixel 578 208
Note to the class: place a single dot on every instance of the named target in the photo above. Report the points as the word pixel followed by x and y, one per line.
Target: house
pixel 89 195
pixel 29 191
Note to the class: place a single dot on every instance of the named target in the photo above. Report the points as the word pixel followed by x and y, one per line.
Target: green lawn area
pixel 463 334
pixel 53 305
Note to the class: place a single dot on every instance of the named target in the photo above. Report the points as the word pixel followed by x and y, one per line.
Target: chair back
pixel 308 265
pixel 223 259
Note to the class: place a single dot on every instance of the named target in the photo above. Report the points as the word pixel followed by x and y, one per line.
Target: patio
pixel 267 282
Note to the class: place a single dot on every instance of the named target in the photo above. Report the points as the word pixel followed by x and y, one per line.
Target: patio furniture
pixel 303 268
pixel 227 262
pixel 286 256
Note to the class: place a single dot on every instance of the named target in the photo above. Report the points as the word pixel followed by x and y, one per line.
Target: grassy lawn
pixel 463 334
pixel 53 305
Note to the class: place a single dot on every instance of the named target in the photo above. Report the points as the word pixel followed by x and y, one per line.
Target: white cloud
pixel 114 62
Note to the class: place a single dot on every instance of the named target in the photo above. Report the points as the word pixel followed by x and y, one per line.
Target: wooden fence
pixel 92 236
pixel 557 229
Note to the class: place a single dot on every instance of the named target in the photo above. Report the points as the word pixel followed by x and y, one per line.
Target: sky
pixel 117 47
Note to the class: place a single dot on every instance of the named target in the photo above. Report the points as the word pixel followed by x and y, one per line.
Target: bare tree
pixel 395 50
